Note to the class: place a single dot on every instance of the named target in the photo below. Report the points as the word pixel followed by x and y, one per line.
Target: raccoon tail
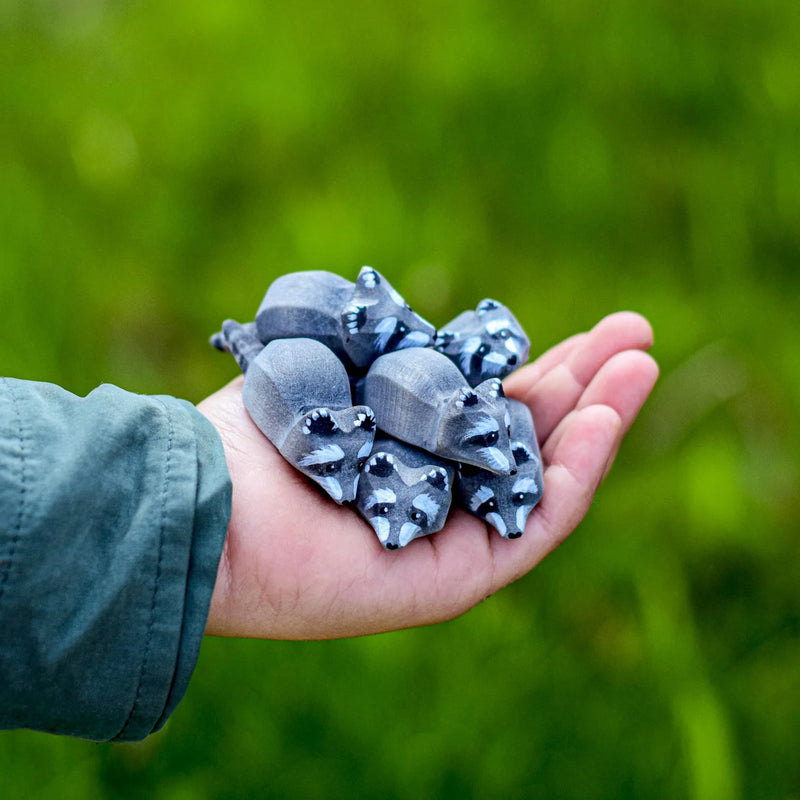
pixel 241 341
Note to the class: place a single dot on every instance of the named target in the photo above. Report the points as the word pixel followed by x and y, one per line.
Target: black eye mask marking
pixel 380 509
pixel 486 507
pixel 483 439
pixel 418 517
pixel 524 498
pixel 324 470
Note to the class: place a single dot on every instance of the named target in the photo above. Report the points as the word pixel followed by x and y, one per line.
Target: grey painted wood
pixel 485 343
pixel 404 492
pixel 506 501
pixel 420 397
pixel 241 341
pixel 305 305
pixel 358 321
pixel 298 394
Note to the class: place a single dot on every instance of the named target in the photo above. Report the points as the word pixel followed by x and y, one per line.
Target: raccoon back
pixel 288 378
pixel 305 304
pixel 408 391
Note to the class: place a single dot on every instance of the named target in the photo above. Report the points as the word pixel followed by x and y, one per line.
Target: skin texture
pixel 297 566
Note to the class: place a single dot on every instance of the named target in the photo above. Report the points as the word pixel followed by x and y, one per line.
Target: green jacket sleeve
pixel 113 513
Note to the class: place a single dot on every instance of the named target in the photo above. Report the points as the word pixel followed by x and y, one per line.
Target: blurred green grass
pixel 162 163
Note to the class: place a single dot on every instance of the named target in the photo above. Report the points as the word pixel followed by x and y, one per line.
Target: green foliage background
pixel 162 162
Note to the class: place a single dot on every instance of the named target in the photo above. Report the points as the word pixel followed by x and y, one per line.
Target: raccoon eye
pixel 504 334
pixel 483 350
pixel 486 507
pixel 361 463
pixel 402 328
pixel 419 518
pixel 384 510
pixel 329 469
pixel 483 439
pixel 524 499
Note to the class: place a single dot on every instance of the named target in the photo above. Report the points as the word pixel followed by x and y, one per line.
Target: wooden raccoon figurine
pixel 404 492
pixel 298 394
pixel 357 321
pixel 485 343
pixel 506 501
pixel 420 397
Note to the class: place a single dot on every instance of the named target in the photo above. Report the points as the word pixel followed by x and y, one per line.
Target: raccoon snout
pixel 514 534
pixel 511 361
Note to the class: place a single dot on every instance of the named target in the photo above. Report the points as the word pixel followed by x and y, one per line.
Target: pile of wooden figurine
pixel 430 421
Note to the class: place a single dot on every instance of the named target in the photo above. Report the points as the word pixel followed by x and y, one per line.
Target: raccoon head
pixel 377 320
pixel 331 447
pixel 503 501
pixel 402 502
pixel 474 428
pixel 485 343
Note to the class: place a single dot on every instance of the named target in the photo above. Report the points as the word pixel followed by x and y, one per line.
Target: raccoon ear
pixel 491 388
pixel 365 420
pixel 466 398
pixel 487 305
pixel 353 318
pixel 437 478
pixel 522 455
pixel 368 279
pixel 443 338
pixel 380 465
pixel 320 422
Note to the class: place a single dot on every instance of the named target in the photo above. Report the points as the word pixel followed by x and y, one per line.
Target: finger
pixel 557 392
pixel 623 383
pixel 570 482
pixel 525 377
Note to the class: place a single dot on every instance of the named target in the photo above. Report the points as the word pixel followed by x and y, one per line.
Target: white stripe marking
pixel 494 326
pixel 381 495
pixel 408 532
pixel 331 486
pixel 496 521
pixel 365 450
pixel 381 526
pixel 525 485
pixel 522 517
pixel 322 455
pixel 484 425
pixel 494 458
pixel 427 505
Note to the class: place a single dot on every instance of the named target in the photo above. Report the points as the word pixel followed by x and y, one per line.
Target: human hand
pixel 297 566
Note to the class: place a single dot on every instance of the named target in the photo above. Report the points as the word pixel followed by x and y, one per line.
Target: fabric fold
pixel 113 512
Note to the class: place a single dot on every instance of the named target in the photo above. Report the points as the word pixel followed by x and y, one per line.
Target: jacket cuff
pixel 113 513
pixel 194 534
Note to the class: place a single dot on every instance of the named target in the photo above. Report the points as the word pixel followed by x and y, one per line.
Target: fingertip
pixel 637 328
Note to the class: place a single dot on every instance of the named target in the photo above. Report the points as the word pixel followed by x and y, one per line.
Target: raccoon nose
pixel 515 534
pixel 513 472
pixel 390 546
pixel 512 360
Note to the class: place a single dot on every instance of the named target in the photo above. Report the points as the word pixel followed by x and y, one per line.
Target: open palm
pixel 297 566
